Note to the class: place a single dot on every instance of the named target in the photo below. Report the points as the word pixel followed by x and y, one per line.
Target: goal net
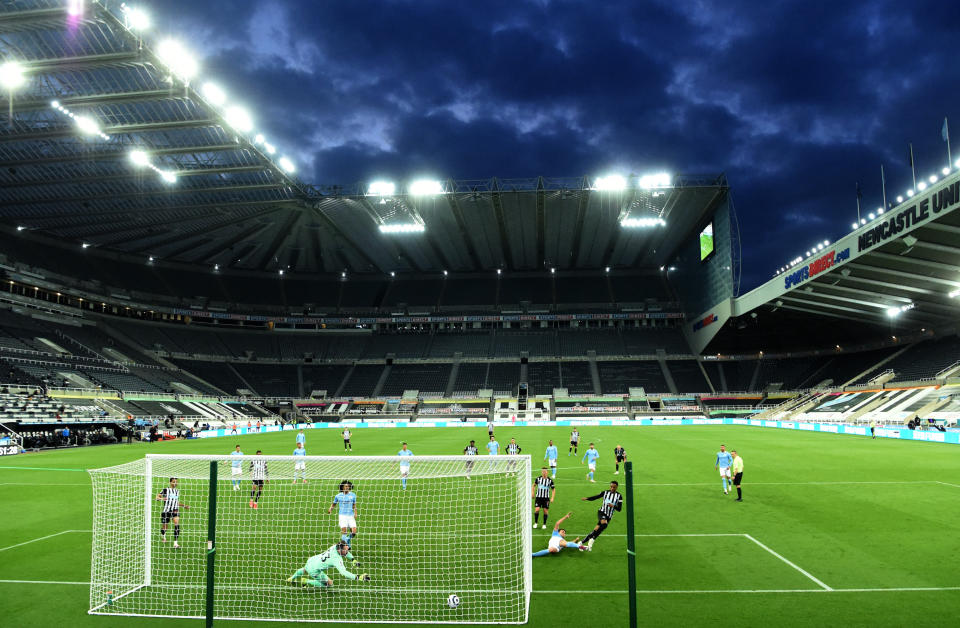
pixel 460 526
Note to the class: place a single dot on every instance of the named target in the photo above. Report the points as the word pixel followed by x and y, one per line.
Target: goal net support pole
pixel 426 527
pixel 631 544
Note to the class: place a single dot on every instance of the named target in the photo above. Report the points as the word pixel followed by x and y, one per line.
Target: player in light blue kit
pixel 558 540
pixel 236 471
pixel 722 464
pixel 493 447
pixel 551 456
pixel 591 455
pixel 346 502
pixel 301 438
pixel 300 466
pixel 404 464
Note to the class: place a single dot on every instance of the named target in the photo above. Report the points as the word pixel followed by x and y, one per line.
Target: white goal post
pixel 456 525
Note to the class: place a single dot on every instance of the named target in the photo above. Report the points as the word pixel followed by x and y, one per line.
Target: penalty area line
pixel 792 564
pixel 42 538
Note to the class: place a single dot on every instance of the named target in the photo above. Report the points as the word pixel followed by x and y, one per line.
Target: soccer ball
pixel 453 601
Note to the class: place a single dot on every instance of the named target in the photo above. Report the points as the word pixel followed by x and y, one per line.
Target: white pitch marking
pixel 40 484
pixel 794 565
pixel 49 536
pixel 947 484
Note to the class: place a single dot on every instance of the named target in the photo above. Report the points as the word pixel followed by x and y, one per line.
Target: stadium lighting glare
pixel 657 180
pixel 610 183
pixel 139 158
pixel 921 186
pixel 553 271
pixel 933 178
pixel 945 171
pixel 85 245
pixel 899 199
pixel 607 269
pixel 169 177
pixel 258 138
pixel 871 216
pixel 957 163
pixel 216 267
pixel 955 294
pixel 879 211
pixel 150 259
pixel 426 187
pixel 819 247
pixel 826 243
pixel 12 75
pixel 910 193
pixel 74 7
pixel 270 149
pixel 281 272
pixel 287 165
pixel 381 188
pixel 87 125
pixel 343 275
pixel 409 227
pixel 855 225
pixel 55 104
pixel 893 312
pixel 178 59
pixel 137 19
pixel 445 273
pixel 863 221
pixel 636 223
pixel 239 118
pixel 20 227
pixel 214 94
pixel 499 271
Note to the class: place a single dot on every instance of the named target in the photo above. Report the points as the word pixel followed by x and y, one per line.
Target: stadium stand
pixel 269 379
pixel 543 377
pixel 362 380
pixel 617 377
pixel 470 344
pixel 401 345
pixel 535 290
pixel 470 378
pixel 509 343
pixel 476 291
pixel 687 376
pixel 923 360
pixel 577 342
pixel 640 341
pixel 576 378
pixel 426 378
pixel 326 378
pixel 503 377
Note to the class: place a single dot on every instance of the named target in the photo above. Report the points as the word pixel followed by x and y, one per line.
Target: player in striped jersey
pixel 513 449
pixel 612 500
pixel 170 497
pixel 574 441
pixel 558 540
pixel 470 450
pixel 543 493
pixel 620 455
pixel 260 475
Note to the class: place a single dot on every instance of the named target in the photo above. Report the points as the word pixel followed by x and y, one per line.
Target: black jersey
pixel 612 500
pixel 544 486
pixel 470 450
pixel 619 452
pixel 171 502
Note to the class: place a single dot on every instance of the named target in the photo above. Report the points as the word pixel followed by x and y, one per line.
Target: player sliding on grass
pixel 314 573
pixel 558 540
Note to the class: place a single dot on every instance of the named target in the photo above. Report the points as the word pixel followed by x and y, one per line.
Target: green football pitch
pixel 833 530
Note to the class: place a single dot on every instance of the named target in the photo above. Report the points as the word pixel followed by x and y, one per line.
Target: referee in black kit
pixel 543 492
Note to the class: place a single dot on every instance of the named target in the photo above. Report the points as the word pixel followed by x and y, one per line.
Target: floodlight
pixel 137 19
pixel 607 269
pixel 854 226
pixel 169 177
pixel 445 273
pixel 150 259
pixel 954 294
pixel 863 221
pixel 426 187
pixel 910 193
pixel 216 267
pixel 20 227
pixel 921 186
pixel 899 199
pixel 893 312
pixel 270 149
pixel 393 274
pixel 139 158
pixel 55 104
pixel 610 183
pixel 879 211
pixel 499 271
pixel 74 7
pixel 214 94
pixel 871 216
pixel 826 243
pixel 287 165
pixel 281 272
pixel 945 171
pixel 635 223
pixel 381 188
pixel 178 59
pixel 657 180
pixel 87 125
pixel 553 271
pixel 343 275
pixel 410 227
pixel 12 75
pixel 258 138
pixel 820 247
pixel 85 245
pixel 239 118
pixel 957 163
pixel 933 178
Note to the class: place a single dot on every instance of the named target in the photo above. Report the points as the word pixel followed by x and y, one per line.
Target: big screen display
pixel 706 242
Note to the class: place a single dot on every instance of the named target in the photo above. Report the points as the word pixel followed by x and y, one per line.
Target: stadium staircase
pixel 706 376
pixel 667 376
pixel 875 366
pixel 791 407
pixel 873 405
pixel 594 372
pixel 454 371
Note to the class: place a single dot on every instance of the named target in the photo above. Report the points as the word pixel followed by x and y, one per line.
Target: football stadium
pixel 529 400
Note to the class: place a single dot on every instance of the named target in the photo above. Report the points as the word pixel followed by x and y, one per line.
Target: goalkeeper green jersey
pixel 319 564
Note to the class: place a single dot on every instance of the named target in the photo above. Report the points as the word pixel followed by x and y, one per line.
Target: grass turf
pixel 853 513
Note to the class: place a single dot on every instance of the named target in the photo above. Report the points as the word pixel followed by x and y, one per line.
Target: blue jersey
pixel 590 456
pixel 551 453
pixel 236 463
pixel 347 501
pixel 556 533
pixel 302 438
pixel 299 451
pixel 724 459
pixel 493 447
pixel 404 452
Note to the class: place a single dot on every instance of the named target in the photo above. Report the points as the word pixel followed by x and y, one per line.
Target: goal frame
pixel 523 469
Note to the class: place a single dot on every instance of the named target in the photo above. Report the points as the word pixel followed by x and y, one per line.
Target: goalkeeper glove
pixel 364 577
pixel 355 563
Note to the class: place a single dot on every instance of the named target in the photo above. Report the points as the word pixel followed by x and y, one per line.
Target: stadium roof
pixel 112 144
pixel 899 272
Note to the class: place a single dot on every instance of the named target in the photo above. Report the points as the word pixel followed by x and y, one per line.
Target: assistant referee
pixel 737 468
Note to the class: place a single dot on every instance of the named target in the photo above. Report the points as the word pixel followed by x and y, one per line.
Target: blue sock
pixel 541 553
pixel 554 473
pixel 404 482
pixel 345 538
pixel 573 545
pixel 724 484
pixel 591 475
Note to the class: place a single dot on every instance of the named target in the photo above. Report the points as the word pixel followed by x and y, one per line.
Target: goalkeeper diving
pixel 314 573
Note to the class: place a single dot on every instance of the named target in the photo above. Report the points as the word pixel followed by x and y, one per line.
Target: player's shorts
pixel 553 463
pixel 555 543
pixel 404 470
pixel 592 466
pixel 167 517
pixel 737 478
pixel 725 472
pixel 236 471
pixel 542 502
pixel 621 458
pixel 299 466
pixel 574 443
pixel 346 441
pixel 347 521
pixel 258 483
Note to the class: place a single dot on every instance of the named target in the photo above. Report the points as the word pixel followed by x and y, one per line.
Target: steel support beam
pixel 118 154
pixel 497 201
pixel 464 232
pixel 135 173
pixel 122 129
pixel 160 192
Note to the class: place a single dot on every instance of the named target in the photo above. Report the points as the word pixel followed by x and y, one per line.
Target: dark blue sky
pixel 794 101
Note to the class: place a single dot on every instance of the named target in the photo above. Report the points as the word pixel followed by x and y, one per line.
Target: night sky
pixel 795 101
